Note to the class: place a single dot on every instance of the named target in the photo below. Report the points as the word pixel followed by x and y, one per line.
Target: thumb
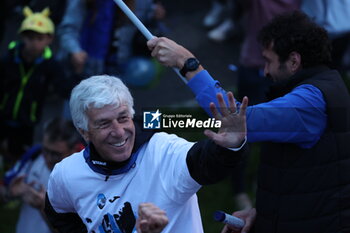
pixel 143 226
pixel 210 134
pixel 246 228
pixel 217 138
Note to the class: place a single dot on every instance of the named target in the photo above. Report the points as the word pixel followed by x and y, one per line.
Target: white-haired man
pixel 99 189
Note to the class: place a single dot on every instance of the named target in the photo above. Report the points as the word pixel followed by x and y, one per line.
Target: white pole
pixel 141 27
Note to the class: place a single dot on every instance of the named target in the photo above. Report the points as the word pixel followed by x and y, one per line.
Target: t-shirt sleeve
pixel 57 191
pixel 173 171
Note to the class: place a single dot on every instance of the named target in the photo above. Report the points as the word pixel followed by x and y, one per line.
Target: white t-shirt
pixel 160 176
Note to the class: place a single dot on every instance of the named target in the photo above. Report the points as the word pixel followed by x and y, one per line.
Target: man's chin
pixel 121 156
pixel 121 159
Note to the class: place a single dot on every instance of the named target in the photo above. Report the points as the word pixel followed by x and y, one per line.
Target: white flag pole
pixel 140 27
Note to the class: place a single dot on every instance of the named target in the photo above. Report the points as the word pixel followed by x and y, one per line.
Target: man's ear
pixel 294 61
pixel 84 134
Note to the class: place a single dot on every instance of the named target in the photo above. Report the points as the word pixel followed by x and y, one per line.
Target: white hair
pixel 97 92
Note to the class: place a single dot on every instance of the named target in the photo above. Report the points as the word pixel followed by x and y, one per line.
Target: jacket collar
pixel 283 87
pixel 17 47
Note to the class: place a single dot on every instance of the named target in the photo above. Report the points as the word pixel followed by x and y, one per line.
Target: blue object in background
pixel 140 72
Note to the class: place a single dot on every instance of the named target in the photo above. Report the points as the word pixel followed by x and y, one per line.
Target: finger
pixel 225 230
pixel 244 105
pixel 138 226
pixel 152 213
pixel 246 228
pixel 144 226
pixel 228 229
pixel 146 210
pixel 152 42
pixel 155 52
pixel 140 212
pixel 144 206
pixel 231 102
pixel 214 111
pixel 223 108
pixel 158 222
pixel 249 221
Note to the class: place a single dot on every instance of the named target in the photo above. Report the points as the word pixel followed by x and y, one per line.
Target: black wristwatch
pixel 191 64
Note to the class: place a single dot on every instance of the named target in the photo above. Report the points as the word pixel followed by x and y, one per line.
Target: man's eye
pixel 103 124
pixel 123 118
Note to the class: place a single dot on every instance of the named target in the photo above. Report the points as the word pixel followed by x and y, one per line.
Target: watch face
pixel 192 64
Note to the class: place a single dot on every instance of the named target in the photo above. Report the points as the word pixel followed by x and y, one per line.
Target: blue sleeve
pixel 205 89
pixel 298 117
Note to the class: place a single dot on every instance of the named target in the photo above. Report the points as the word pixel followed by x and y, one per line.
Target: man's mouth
pixel 119 144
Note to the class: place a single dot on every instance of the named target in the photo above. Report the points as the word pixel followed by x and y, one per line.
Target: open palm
pixel 233 128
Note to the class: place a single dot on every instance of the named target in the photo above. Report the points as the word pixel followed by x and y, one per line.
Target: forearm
pixel 63 222
pixel 209 163
pixel 69 29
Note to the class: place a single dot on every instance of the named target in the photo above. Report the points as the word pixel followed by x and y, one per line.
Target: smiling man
pixel 100 188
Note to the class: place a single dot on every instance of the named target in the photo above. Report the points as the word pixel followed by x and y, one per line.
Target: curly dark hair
pixel 295 31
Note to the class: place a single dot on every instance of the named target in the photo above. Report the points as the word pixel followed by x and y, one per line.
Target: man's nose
pixel 117 129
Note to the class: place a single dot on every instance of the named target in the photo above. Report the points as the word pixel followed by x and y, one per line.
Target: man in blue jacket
pixel 304 166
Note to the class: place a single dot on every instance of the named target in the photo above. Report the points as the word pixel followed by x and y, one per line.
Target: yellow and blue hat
pixel 37 22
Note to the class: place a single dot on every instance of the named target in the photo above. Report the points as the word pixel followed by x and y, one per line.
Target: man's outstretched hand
pixel 233 123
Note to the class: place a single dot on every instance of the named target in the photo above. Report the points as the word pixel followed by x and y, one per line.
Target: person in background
pixel 333 16
pixel 28 179
pixel 303 177
pixel 250 73
pixel 96 37
pixel 95 33
pixel 224 19
pixel 29 73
